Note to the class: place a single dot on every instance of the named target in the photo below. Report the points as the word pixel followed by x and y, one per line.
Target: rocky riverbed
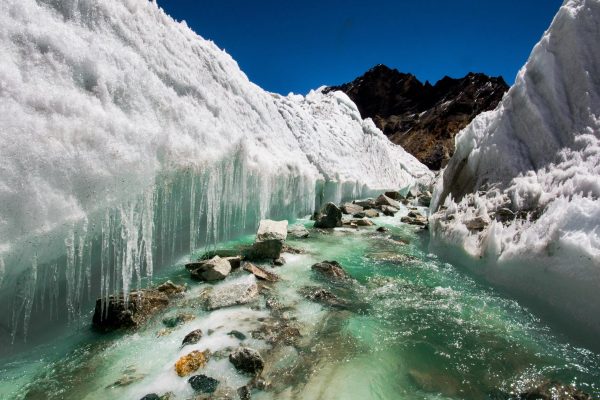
pixel 346 305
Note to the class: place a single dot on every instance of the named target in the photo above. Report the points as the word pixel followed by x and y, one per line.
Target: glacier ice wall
pixel 530 172
pixel 127 140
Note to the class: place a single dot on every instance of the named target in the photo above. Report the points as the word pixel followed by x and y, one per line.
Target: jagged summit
pixel 421 117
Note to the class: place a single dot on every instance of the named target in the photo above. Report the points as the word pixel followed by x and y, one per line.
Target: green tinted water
pixel 414 328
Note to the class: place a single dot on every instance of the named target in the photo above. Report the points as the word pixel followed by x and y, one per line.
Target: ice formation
pixel 127 140
pixel 526 177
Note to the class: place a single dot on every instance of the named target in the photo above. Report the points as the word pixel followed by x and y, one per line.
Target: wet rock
pixel 382 229
pixel 234 262
pixel 119 314
pixel 171 289
pixel 425 199
pixel 151 396
pixel 323 296
pixel 394 195
pixel 176 320
pixel 383 200
pixel 414 218
pixel 203 384
pixel 231 294
pixel 215 269
pixel 269 240
pixel 552 390
pixel 331 270
pixel 362 222
pixel 298 232
pixel 272 230
pixel 272 304
pixel 192 338
pixel 237 334
pixel 247 360
pixel 476 224
pixel 278 331
pixel 389 210
pixel 366 204
pixel 126 380
pixel 292 250
pixel 192 362
pixel 260 273
pixel 244 392
pixel 371 213
pixel 351 208
pixel 330 217
pixel 223 253
pixel 279 262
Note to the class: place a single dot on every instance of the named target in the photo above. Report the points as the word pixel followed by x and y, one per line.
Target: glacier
pixel 128 140
pixel 520 197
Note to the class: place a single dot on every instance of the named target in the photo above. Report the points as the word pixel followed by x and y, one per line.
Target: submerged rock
pixel 118 313
pixel 362 222
pixel 247 360
pixel 151 396
pixel 203 383
pixel 237 334
pixel 351 208
pixel 176 320
pixel 215 269
pixel 171 289
pixel 330 217
pixel 370 213
pixel 323 296
pixel 231 294
pixel 382 229
pixel 279 262
pixel 414 218
pixel 552 390
pixel 260 273
pixel 298 232
pixel 192 338
pixel 192 362
pixel 331 270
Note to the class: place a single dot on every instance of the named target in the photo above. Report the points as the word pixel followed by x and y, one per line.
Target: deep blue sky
pixel 293 46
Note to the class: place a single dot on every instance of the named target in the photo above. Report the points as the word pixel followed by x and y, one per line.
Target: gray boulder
pixel 330 217
pixel 272 230
pixel 389 210
pixel 366 204
pixel 331 270
pixel 383 200
pixel 215 269
pixel 298 232
pixel 269 240
pixel 351 208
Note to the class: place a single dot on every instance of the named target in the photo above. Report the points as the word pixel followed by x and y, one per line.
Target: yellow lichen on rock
pixel 192 362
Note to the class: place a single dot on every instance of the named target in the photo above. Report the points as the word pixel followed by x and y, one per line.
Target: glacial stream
pixel 408 327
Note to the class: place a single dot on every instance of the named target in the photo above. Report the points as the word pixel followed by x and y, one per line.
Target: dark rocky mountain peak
pixel 421 117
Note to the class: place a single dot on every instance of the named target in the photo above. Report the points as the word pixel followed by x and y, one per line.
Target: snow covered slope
pixel 126 138
pixel 525 177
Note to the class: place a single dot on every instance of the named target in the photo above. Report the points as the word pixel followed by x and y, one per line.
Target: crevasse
pixel 127 140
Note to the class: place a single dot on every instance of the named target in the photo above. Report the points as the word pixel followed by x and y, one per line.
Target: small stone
pixel 247 360
pixel 330 269
pixel 298 232
pixel 237 334
pixel 192 338
pixel 244 393
pixel 279 262
pixel 389 210
pixel 171 289
pixel 192 362
pixel 363 222
pixel 203 384
pixel 260 273
pixel 176 320
pixel 372 213
pixel 151 396
pixel 382 229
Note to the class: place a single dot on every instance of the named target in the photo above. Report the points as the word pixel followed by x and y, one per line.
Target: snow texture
pixel 530 170
pixel 119 123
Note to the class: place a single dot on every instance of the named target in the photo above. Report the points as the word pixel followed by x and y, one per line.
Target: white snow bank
pixel 117 122
pixel 532 168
